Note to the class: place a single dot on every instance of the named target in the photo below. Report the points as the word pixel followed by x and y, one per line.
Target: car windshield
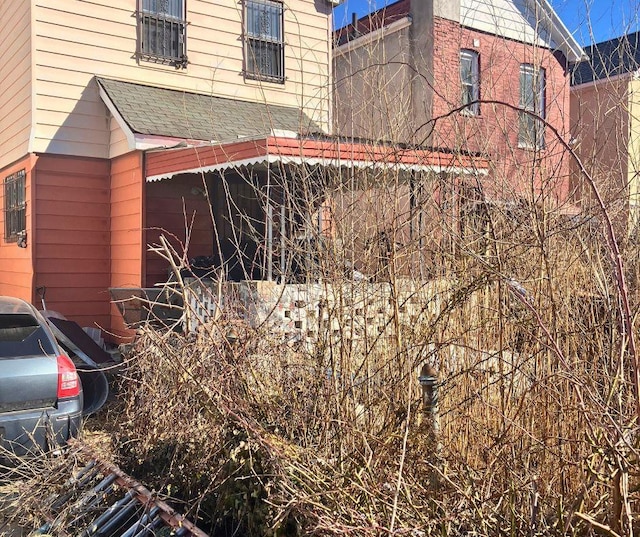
pixel 22 335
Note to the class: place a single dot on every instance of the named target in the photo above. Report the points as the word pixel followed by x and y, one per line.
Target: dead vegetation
pixel 535 428
pixel 523 312
pixel 260 433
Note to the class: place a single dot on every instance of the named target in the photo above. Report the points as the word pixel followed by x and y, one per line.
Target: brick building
pixel 464 76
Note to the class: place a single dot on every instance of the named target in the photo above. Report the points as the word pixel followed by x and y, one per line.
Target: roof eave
pixel 295 151
pixel 631 75
pixel 373 35
pixel 568 45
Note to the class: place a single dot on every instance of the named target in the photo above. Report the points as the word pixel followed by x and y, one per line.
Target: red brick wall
pixel 495 130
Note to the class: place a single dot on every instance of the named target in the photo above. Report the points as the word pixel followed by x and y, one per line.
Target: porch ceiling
pixel 311 151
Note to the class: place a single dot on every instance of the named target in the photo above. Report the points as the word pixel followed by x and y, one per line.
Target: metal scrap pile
pixel 79 493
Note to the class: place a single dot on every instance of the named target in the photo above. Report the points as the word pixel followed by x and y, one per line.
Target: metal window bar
pixel 163 31
pixel 15 206
pixel 264 21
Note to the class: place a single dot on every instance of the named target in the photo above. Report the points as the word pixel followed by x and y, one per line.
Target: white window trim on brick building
pixel 470 81
pixel 533 107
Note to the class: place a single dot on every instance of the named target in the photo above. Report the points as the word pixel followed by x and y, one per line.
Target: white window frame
pixel 470 82
pixel 531 127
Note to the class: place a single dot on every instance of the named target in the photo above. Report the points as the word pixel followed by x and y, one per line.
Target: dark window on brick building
pixel 532 103
pixel 470 81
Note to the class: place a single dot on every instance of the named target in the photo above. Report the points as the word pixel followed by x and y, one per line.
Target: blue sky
pixel 588 20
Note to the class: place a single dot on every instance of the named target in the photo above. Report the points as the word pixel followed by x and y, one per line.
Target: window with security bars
pixel 162 31
pixel 264 40
pixel 15 206
pixel 532 104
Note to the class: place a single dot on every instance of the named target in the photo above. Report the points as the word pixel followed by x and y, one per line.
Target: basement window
pixel 162 32
pixel 264 40
pixel 15 206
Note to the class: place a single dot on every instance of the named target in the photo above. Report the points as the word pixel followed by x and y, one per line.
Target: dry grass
pixel 536 430
pixel 536 435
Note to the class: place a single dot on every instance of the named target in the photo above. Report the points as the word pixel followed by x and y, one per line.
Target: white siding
pixel 119 145
pixel 75 40
pixel 15 80
pixel 512 19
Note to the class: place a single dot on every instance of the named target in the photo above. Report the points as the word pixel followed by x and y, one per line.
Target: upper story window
pixel 532 102
pixel 264 40
pixel 470 80
pixel 162 30
pixel 15 206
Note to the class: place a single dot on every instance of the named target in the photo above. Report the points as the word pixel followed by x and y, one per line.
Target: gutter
pixel 633 75
pixel 569 45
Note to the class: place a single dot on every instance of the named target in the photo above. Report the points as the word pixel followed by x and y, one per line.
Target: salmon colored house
pixel 122 121
pixel 473 75
pixel 605 98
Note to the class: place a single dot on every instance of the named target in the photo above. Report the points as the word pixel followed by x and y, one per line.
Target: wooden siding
pixel 73 41
pixel 72 237
pixel 15 80
pixel 16 264
pixel 119 145
pixel 126 213
pixel 172 207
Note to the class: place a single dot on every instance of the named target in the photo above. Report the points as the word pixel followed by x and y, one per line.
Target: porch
pixel 283 223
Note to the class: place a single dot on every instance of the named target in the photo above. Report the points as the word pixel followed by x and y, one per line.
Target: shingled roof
pixel 607 59
pixel 150 110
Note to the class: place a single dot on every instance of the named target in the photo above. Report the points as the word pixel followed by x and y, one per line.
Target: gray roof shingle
pixel 607 59
pixel 180 114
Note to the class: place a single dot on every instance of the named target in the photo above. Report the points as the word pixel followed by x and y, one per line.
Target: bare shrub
pixel 329 436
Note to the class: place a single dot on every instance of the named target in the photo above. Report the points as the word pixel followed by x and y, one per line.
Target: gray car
pixel 40 391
